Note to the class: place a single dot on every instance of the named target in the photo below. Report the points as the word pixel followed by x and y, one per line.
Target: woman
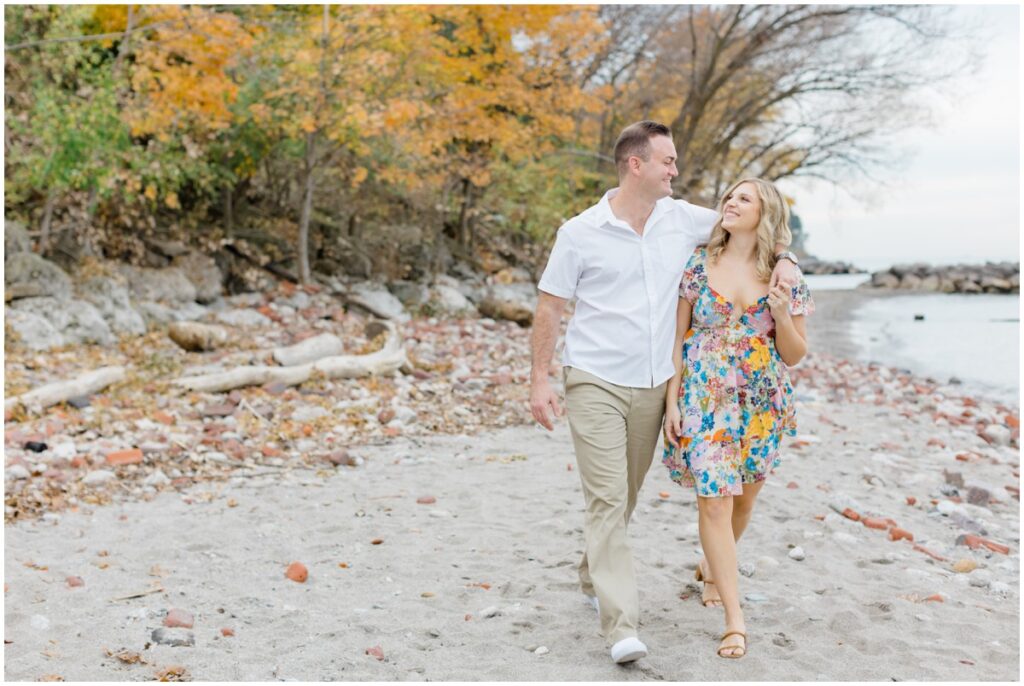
pixel 731 399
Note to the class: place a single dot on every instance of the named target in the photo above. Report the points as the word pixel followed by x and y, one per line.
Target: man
pixel 623 260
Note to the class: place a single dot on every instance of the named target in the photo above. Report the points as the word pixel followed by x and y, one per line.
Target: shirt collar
pixel 606 216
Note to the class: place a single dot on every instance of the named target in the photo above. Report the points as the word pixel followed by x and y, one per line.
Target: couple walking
pixel 685 321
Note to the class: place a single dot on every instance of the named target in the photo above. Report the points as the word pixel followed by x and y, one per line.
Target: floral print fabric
pixel 736 398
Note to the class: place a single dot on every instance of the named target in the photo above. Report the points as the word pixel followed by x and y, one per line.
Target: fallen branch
pixel 59 391
pixel 385 361
pixel 159 589
pixel 309 350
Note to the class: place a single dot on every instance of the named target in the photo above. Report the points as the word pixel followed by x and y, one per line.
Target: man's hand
pixel 785 274
pixel 542 397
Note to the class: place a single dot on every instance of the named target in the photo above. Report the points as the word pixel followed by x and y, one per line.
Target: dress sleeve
pixel 800 302
pixel 693 275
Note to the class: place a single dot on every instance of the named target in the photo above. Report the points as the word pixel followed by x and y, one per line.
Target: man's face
pixel 657 173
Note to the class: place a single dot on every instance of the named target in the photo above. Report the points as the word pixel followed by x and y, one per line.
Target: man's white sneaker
pixel 628 650
pixel 592 601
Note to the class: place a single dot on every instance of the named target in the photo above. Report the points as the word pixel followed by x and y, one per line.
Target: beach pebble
pixel 74 581
pixel 179 618
pixel 965 566
pixel 308 413
pixel 756 598
pixel 64 450
pixel 767 562
pixel 543 650
pixel 490 611
pixel 157 478
pixel 996 434
pixel 841 502
pixel 978 496
pixel 797 554
pixel 1000 588
pixel 173 637
pixel 39 622
pixel 947 507
pixel 747 569
pixel 17 472
pixel 297 572
pixel 844 537
pixel 97 477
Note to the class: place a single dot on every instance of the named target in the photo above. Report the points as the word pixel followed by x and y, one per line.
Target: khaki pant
pixel 615 430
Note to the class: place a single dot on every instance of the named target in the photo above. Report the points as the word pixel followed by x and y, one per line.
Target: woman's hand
pixel 673 425
pixel 778 302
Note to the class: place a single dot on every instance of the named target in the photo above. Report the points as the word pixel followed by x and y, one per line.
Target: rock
pixel 426 500
pixel 167 248
pixel 929 283
pixel 448 301
pixel 376 652
pixel 411 293
pixel 884 280
pixel 157 478
pixel 1000 588
pixel 297 572
pixel 875 523
pixel 243 317
pixel 747 569
pixel 97 477
pixel 841 502
pixel 15 238
pixel 27 275
pixel 111 300
pixel 75 581
pixel 978 496
pixel 377 300
pixel 542 650
pixel 953 478
pixel 964 566
pixel 76 320
pixel 994 284
pixel 308 413
pixel 65 450
pixel 121 457
pixel 996 434
pixel 767 562
pixel 797 554
pixel 490 611
pixel 179 618
pixel 39 622
pixel 225 631
pixel 16 472
pixel 175 637
pixel 197 337
pixel 756 598
pixel 31 330
pixel 513 302
pixel 898 534
pixel 168 285
pixel 202 272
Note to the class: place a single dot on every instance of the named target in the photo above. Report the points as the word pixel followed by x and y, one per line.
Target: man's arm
pixel 546 324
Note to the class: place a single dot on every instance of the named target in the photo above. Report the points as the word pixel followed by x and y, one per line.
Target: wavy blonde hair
pixel 772 228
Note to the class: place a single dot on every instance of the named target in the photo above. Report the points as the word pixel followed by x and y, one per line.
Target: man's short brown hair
pixel 635 141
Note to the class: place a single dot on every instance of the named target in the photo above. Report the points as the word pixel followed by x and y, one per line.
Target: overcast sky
pixel 958 199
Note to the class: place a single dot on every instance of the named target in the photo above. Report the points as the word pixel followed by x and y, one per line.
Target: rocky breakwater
pixel 812 265
pixel 991 277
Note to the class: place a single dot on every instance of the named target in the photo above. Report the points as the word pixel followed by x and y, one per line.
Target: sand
pixel 502 539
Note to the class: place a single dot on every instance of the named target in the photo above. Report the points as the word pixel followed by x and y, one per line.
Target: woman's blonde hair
pixel 772 229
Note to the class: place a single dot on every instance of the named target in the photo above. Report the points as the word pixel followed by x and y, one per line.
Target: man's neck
pixel 632 208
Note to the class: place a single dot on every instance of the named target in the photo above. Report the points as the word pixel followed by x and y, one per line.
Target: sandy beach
pixel 451 555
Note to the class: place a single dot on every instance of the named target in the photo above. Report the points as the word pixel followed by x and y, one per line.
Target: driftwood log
pixel 309 350
pixel 385 361
pixel 59 391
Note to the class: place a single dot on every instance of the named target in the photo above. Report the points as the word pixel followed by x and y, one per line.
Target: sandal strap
pixel 727 634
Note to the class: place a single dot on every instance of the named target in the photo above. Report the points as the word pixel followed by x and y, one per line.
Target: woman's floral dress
pixel 735 398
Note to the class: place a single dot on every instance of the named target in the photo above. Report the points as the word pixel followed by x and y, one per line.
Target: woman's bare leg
pixel 742 507
pixel 719 543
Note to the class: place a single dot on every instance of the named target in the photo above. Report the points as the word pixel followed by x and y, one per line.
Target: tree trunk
pixel 44 232
pixel 307 208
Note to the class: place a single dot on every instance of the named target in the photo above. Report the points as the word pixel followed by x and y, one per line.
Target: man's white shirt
pixel 626 286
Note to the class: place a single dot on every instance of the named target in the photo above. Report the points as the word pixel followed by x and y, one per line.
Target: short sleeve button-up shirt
pixel 626 286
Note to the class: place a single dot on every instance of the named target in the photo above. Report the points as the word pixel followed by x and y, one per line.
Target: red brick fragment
pixel 377 652
pixel 119 457
pixel 875 523
pixel 1012 421
pixel 426 500
pixel 851 514
pixel 297 572
pixel 929 553
pixel 936 442
pixel 227 632
pixel 179 618
pixel 898 534
pixel 937 598
pixel 792 485
pixel 163 417
pixel 911 500
pixel 74 581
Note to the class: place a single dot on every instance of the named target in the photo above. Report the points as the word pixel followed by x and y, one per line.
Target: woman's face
pixel 742 209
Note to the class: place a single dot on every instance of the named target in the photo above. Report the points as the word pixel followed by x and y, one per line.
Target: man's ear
pixel 634 164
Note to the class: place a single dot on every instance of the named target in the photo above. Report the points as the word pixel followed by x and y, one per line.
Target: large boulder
pixel 167 285
pixel 204 274
pixel 155 313
pixel 15 238
pixel 910 281
pixel 76 320
pixel 514 302
pixel 412 294
pixel 448 301
pixel 111 300
pixel 30 329
pixel 28 275
pixel 377 300
pixel 885 280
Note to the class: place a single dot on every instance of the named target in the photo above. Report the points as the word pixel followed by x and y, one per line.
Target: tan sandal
pixel 733 655
pixel 707 602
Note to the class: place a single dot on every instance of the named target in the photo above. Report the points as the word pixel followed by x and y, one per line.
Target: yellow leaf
pixel 150 191
pixel 172 201
pixel 358 176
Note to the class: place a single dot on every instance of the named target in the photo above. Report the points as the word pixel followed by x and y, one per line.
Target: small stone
pixel 490 611
pixel 898 534
pixel 75 581
pixel 767 562
pixel 227 632
pixel 173 637
pixel 35 446
pixel 434 633
pixel 17 472
pixel 978 496
pixel 120 457
pixel 756 598
pixel 797 554
pixel 64 450
pixel 179 618
pixel 157 478
pixel 426 500
pixel 543 650
pixel 935 598
pixel 297 572
pixel 911 500
pixel 219 410
pixel 792 485
pixel 875 523
pixel 79 402
pixel 97 477
pixel 747 569
pixel 996 434
pixel 965 566
pixel 851 514
pixel 341 458
pixel 1000 588
pixel 376 652
pixel 385 415
pixel 39 622
pixel 663 495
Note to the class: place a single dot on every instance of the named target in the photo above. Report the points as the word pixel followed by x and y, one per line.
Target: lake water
pixel 975 338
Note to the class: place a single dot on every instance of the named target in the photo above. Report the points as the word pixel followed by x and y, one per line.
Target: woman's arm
pixel 790 330
pixel 673 419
